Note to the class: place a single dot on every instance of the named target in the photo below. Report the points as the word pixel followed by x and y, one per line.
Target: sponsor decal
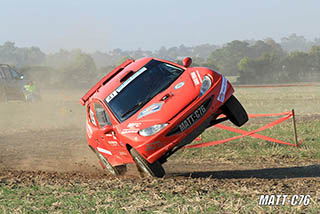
pixel 179 85
pixel 123 85
pixel 111 96
pixel 195 78
pixel 223 89
pixel 134 125
pixel 123 153
pixel 154 145
pixel 151 109
pixel 194 117
pixel 199 76
pixel 127 131
pixel 89 130
pixel 113 143
pixel 104 151
pixel 132 128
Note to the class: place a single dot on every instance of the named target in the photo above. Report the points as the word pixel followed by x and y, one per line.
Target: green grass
pixel 248 149
pixel 304 100
pixel 149 196
pixel 232 79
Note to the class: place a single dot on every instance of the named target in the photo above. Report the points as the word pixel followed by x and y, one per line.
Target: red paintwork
pixel 187 62
pixel 171 107
pixel 105 79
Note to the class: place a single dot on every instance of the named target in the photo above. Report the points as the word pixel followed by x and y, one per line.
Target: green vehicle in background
pixel 13 86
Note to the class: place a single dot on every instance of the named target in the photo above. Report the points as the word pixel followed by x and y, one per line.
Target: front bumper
pixel 172 138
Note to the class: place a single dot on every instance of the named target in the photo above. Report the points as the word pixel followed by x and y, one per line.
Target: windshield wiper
pixel 141 103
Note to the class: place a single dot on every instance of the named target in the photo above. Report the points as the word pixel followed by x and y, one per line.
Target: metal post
pixel 294 128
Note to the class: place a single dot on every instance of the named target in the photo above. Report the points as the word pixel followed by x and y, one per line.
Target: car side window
pixel 1 74
pixel 102 115
pixel 14 74
pixel 91 116
pixel 7 73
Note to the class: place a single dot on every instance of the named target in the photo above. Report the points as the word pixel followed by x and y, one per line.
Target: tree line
pixel 292 59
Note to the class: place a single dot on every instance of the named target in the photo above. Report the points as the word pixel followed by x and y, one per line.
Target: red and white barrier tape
pixel 253 134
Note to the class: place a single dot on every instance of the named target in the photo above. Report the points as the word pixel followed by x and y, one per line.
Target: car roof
pixel 114 83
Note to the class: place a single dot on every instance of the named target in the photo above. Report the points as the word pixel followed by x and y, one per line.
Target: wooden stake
pixel 294 128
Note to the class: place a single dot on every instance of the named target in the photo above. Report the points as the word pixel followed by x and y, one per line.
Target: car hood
pixel 167 104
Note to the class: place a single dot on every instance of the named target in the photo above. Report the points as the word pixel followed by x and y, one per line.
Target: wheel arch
pixel 129 147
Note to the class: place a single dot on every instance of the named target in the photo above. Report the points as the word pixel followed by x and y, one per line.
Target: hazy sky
pixel 104 25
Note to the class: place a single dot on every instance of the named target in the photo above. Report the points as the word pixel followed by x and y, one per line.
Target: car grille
pixel 176 130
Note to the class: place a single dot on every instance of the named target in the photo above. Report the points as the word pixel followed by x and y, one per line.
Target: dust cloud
pixel 45 135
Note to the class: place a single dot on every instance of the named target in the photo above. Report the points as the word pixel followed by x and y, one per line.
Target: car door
pixel 108 143
pixel 8 80
pixel 16 83
pixel 3 83
pixel 12 88
pixel 2 77
pixel 92 127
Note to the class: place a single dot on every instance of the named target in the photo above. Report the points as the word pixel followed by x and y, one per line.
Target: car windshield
pixel 141 87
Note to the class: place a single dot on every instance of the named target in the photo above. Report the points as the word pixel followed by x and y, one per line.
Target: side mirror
pixel 187 62
pixel 106 129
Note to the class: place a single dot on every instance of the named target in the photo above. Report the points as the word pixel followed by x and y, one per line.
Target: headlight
pixel 152 129
pixel 206 84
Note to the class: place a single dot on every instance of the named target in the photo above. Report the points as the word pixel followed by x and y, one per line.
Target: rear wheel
pixel 155 169
pixel 114 170
pixel 234 111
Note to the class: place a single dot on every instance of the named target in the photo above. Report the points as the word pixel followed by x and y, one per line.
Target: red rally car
pixel 145 110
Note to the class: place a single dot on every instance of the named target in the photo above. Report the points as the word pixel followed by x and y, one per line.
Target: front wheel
pixel 155 169
pixel 234 111
pixel 114 170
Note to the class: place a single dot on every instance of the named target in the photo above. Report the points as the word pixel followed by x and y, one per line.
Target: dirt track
pixel 64 151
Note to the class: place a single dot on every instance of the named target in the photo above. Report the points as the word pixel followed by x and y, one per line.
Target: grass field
pixel 227 178
pixel 171 195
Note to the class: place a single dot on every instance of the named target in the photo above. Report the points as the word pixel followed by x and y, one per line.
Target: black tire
pixel 235 111
pixel 155 169
pixel 114 170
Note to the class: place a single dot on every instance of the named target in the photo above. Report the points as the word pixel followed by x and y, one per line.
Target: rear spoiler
pixel 104 80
